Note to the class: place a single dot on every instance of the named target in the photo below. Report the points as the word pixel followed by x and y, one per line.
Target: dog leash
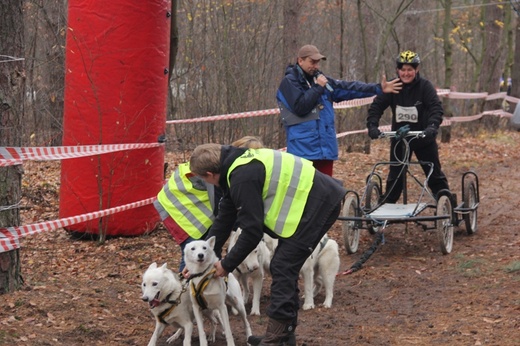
pixel 366 255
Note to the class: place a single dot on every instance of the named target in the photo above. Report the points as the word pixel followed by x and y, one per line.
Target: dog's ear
pixel 211 242
pixel 153 266
pixel 165 266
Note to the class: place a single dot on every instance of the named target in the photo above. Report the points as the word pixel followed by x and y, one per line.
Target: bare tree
pixel 229 57
pixel 492 59
pixel 388 18
pixel 12 90
pixel 291 17
pixel 448 62
pixel 515 71
pixel 174 37
pixel 45 26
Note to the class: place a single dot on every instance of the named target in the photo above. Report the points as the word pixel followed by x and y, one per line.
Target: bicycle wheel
pixel 470 201
pixel 444 226
pixel 372 197
pixel 350 228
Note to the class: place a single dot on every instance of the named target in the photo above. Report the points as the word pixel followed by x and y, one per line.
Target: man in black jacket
pixel 418 106
pixel 282 195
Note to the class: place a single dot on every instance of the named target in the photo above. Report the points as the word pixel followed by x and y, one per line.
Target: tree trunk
pixel 291 18
pixel 10 186
pixel 448 72
pixel 515 70
pixel 12 90
pixel 492 61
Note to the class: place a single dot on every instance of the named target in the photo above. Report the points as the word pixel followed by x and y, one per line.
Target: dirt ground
pixel 408 293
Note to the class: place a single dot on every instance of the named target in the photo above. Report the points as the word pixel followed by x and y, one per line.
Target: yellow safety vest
pixel 188 204
pixel 288 181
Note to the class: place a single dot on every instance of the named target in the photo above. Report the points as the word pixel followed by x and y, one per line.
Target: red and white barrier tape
pixel 16 155
pixel 446 122
pixel 354 103
pixel 272 111
pixel 9 237
pixel 484 95
pixel 340 105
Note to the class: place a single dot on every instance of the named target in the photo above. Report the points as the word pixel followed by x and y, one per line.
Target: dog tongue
pixel 154 303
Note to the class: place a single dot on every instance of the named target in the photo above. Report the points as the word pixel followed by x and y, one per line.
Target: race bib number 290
pixel 406 114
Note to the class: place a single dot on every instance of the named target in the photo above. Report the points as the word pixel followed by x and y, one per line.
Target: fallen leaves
pixel 80 292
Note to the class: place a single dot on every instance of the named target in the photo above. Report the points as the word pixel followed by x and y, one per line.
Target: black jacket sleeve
pixel 246 185
pixel 223 224
pixel 377 108
pixel 435 111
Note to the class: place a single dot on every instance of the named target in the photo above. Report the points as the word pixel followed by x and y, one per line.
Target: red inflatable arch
pixel 116 79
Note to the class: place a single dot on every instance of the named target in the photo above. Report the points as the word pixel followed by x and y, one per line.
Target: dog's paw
pixel 327 305
pixel 255 313
pixel 175 336
pixel 308 306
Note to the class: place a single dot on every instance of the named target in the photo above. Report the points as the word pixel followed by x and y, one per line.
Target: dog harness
pixel 321 245
pixel 161 317
pixel 198 291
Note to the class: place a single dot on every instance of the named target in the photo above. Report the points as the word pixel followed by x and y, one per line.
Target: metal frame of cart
pixel 369 211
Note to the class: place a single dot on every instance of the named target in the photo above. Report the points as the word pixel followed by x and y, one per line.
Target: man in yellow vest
pixel 188 205
pixel 268 191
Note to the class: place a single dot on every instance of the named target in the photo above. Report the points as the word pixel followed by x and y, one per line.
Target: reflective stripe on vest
pixel 188 205
pixel 288 181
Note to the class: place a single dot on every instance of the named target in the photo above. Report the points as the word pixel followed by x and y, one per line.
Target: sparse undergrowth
pixel 408 293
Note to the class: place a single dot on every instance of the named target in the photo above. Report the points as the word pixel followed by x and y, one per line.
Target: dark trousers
pixel 324 166
pixel 289 257
pixel 425 150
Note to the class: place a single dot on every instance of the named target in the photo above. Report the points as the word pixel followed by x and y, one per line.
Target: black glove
pixel 430 131
pixel 373 132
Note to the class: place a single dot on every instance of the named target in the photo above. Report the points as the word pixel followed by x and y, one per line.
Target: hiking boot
pixel 289 340
pixel 278 333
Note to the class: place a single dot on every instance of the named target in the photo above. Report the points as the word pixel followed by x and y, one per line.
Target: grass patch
pixel 513 267
pixel 7 338
pixel 470 267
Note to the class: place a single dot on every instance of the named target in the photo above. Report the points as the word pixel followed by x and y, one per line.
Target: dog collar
pixel 201 273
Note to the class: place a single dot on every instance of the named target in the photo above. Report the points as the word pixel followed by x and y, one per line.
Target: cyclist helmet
pixel 408 57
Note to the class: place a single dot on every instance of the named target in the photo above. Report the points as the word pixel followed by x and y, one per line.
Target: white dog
pixel 255 266
pixel 319 270
pixel 211 292
pixel 169 302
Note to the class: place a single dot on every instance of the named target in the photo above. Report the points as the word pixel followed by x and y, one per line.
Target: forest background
pixel 229 56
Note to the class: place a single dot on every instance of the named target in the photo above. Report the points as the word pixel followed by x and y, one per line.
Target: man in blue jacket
pixel 305 98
